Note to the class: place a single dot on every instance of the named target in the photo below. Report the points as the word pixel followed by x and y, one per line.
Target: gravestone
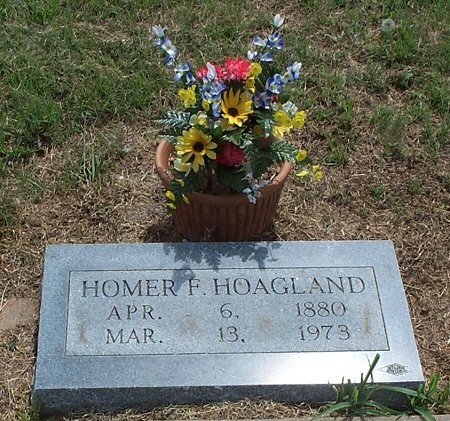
pixel 141 325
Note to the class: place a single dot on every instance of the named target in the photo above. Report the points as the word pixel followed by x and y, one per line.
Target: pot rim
pixel 165 148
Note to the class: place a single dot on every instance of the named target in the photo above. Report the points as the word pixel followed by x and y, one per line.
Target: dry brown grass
pixel 128 206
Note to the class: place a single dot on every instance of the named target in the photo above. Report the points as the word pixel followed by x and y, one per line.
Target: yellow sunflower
pixel 236 107
pixel 197 144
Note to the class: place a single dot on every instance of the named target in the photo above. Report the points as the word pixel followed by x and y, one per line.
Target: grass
pixel 362 399
pixel 80 83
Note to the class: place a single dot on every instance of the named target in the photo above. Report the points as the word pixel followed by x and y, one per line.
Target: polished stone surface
pixel 139 325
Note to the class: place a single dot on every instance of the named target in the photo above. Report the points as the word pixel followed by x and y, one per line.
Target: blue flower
pixel 292 72
pixel 262 99
pixel 275 41
pixel 159 41
pixel 190 78
pixel 212 90
pixel 265 57
pixel 180 70
pixel 170 50
pixel 274 84
pixel 183 71
pixel 255 56
pixel 258 41
pixel 216 108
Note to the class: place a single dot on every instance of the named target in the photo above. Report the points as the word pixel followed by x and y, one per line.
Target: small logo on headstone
pixel 395 369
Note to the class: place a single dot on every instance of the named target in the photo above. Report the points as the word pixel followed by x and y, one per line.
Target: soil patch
pixel 17 312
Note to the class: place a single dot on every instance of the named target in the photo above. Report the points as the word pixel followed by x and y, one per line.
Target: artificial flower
pixel 317 172
pixel 183 72
pixel 274 84
pixel 170 195
pixel 233 106
pixel 301 155
pixel 302 173
pixel 255 70
pixel 230 155
pixel 199 119
pixel 236 107
pixel 219 72
pixel 224 125
pixel 292 72
pixel 205 105
pixel 183 167
pixel 299 119
pixel 249 84
pixel 275 41
pixel 194 143
pixel 283 123
pixel 188 96
pixel 278 21
pixel 290 107
pixel 158 30
pixel 236 68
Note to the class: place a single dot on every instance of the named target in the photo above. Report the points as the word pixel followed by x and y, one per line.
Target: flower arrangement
pixel 235 121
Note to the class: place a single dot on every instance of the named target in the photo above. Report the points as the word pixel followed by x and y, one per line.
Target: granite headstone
pixel 140 325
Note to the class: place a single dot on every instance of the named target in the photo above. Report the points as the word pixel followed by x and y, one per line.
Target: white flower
pixel 290 108
pixel 251 54
pixel 211 75
pixel 181 166
pixel 199 119
pixel 278 21
pixel 169 48
pixel 158 31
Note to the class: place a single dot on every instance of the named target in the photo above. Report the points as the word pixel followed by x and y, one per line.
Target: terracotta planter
pixel 229 217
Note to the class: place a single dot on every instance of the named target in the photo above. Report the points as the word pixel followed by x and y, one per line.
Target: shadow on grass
pixel 161 231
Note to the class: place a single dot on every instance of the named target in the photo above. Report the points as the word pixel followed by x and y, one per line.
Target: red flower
pixel 220 72
pixel 237 68
pixel 230 155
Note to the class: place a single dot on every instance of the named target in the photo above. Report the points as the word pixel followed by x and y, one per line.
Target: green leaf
pixel 283 151
pixel 174 119
pixel 234 137
pixel 265 120
pixel 169 138
pixel 425 413
pixel 333 408
pixel 191 183
pixel 232 178
pixel 383 409
pixel 402 390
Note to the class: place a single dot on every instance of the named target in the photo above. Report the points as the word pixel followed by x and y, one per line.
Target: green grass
pixel 361 400
pixel 69 64
pixel 67 67
pixel 93 158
